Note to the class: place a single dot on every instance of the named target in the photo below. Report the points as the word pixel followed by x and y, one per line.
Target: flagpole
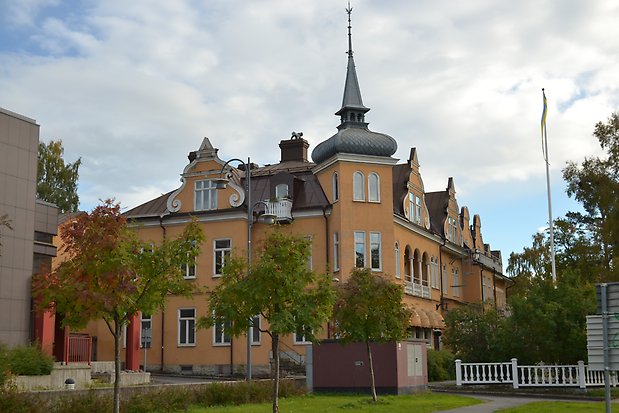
pixel 545 150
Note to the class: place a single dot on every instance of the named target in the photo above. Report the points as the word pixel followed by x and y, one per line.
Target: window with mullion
pixel 205 195
pixel 375 251
pixel 360 255
pixel 222 248
pixel 186 326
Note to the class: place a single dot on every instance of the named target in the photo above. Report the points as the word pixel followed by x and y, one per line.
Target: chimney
pixel 294 149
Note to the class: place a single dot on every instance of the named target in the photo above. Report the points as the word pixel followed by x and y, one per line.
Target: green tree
pixel 280 288
pixel 595 184
pixel 110 274
pixel 57 180
pixel 369 309
pixel 6 223
pixel 475 334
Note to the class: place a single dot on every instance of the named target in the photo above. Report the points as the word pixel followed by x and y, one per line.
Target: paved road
pixel 179 379
pixel 494 403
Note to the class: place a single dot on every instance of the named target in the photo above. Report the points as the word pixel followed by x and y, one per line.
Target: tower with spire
pixel 353 136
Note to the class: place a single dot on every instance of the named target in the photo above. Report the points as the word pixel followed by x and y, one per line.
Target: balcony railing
pixel 282 209
pixel 416 289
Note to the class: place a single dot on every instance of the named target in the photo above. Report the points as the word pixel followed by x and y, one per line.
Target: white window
pixel 360 259
pixel 444 279
pixel 373 187
pixel 414 208
pixel 336 251
pixel 309 259
pixel 220 333
pixel 186 326
pixel 281 191
pixel 358 185
pixel 189 268
pixel 336 187
pixel 376 262
pixel 222 248
pixel 205 195
pixel 434 271
pixel 397 260
pixel 452 227
pixel 455 282
pixel 300 336
pixel 146 332
pixel 255 330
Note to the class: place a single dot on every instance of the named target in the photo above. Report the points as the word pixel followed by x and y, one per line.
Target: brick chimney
pixel 294 149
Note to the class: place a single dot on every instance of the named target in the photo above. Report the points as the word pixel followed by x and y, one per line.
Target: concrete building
pixel 28 245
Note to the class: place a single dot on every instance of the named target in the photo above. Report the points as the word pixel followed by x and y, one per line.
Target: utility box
pixel 399 368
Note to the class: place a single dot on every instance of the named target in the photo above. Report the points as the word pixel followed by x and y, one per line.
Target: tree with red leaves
pixel 110 274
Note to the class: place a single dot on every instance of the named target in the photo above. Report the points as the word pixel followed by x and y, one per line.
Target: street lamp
pixel 268 217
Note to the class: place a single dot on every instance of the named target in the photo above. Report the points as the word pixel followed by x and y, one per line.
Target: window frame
pixel 184 323
pixel 255 330
pixel 358 184
pixel 374 241
pixel 398 274
pixel 374 197
pixel 336 251
pixel 146 319
pixel 224 251
pixel 220 337
pixel 190 272
pixel 361 234
pixel 278 189
pixel 198 195
pixel 335 186
pixel 300 334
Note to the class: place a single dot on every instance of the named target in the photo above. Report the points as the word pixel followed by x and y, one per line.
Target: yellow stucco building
pixel 357 205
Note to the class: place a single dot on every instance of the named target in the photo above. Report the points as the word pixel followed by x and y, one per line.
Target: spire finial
pixel 349 11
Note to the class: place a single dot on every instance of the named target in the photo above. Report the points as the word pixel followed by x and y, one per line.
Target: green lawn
pixel 560 407
pixel 421 403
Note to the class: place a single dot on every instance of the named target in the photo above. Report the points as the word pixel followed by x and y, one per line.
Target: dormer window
pixel 281 191
pixel 205 196
pixel 415 208
pixel 452 230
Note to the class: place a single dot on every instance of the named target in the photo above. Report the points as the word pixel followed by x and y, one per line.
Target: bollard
pixel 69 384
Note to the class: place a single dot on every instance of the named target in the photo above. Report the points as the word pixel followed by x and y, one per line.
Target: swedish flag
pixel 544 113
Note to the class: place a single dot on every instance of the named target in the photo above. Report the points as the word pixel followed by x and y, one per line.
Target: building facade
pixel 357 204
pixel 28 244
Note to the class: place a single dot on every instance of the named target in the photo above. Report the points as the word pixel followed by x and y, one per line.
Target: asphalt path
pixel 494 403
pixel 180 379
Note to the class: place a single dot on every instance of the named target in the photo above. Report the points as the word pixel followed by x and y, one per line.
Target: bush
pixel 29 361
pixel 441 365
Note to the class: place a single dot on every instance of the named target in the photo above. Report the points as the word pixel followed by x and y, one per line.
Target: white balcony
pixel 282 209
pixel 416 289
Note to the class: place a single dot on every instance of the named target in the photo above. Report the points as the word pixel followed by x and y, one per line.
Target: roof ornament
pixel 349 11
pixel 296 135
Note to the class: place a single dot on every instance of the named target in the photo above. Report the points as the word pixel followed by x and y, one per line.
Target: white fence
pixel 530 376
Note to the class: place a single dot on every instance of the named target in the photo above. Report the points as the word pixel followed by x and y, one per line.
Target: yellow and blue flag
pixel 544 113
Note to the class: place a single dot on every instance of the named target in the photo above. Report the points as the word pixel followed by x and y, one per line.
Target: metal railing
pixel 79 349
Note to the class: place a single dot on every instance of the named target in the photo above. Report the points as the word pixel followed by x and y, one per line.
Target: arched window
pixel 336 187
pixel 397 260
pixel 358 186
pixel 373 187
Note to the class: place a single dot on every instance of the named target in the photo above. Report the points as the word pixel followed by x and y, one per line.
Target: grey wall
pixel 19 139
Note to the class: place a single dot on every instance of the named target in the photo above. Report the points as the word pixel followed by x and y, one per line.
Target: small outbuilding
pixel 399 368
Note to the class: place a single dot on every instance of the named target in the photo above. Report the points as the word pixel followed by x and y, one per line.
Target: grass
pixel 560 407
pixel 420 403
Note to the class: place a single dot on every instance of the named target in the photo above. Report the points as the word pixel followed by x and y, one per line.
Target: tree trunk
pixel 117 333
pixel 275 350
pixel 367 344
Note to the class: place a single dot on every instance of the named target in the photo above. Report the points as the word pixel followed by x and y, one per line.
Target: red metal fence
pixel 79 349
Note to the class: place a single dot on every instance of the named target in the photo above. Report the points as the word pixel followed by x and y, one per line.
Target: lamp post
pixel 221 183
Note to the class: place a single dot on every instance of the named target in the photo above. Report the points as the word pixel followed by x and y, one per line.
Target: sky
pixel 132 87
